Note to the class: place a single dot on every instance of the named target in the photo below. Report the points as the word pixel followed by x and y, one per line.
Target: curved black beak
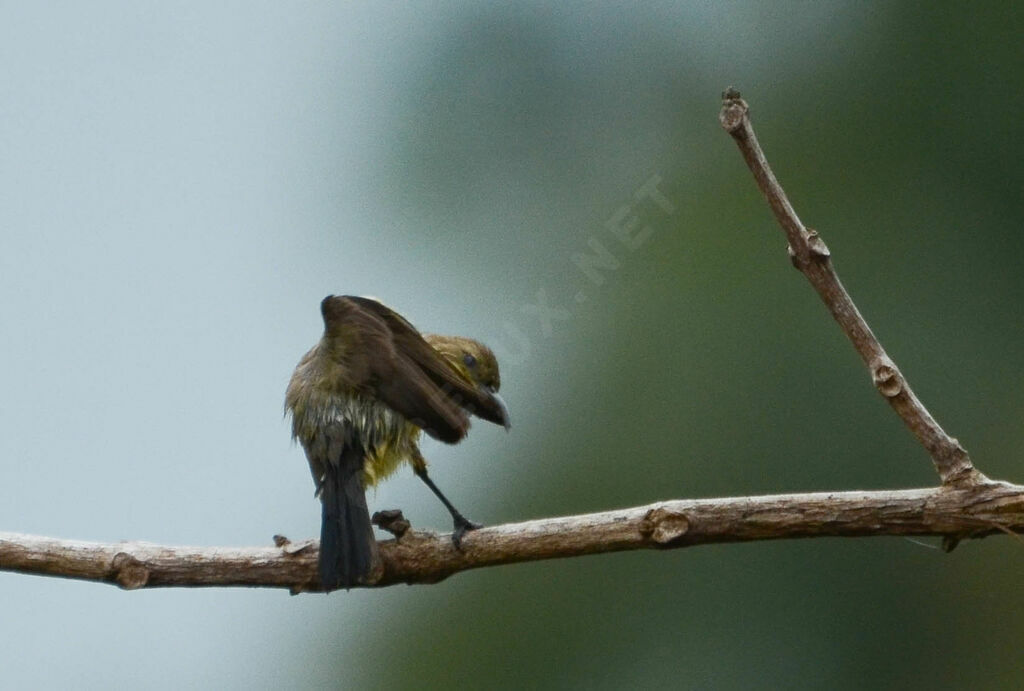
pixel 496 411
pixel 506 421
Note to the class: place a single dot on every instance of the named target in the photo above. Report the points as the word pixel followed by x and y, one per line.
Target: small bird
pixel 359 400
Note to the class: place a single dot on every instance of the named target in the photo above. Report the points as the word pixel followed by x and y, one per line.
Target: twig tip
pixel 734 109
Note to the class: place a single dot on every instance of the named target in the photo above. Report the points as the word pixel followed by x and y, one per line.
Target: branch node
pixel 288 547
pixel 815 250
pixel 663 526
pixel 955 466
pixel 886 376
pixel 392 521
pixel 129 572
pixel 292 548
pixel 816 246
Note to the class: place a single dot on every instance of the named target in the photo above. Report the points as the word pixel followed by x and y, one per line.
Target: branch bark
pixel 967 505
pixel 954 513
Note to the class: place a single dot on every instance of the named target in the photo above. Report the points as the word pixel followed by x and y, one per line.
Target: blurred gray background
pixel 181 183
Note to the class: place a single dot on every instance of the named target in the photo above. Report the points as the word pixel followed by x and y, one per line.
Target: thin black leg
pixel 462 524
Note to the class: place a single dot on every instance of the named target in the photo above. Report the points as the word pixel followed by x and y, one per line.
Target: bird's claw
pixel 462 526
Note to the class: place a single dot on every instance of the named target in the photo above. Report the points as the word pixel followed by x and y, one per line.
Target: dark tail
pixel 348 548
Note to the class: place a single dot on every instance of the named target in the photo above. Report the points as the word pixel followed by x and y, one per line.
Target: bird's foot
pixel 462 526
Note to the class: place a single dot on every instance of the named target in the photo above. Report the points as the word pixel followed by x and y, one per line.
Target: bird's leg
pixel 462 524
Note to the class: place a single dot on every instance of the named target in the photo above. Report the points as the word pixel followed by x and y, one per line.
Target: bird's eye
pixel 469 360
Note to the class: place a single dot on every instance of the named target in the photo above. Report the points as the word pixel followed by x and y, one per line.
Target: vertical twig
pixel 810 255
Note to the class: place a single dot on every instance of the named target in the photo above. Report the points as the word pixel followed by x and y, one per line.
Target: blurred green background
pixel 181 183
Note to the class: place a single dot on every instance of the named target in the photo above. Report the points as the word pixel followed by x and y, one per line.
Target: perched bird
pixel 359 400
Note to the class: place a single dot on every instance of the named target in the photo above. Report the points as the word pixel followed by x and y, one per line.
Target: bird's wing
pixel 411 344
pixel 387 358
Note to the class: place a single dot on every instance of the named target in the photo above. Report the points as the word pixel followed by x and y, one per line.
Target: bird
pixel 360 400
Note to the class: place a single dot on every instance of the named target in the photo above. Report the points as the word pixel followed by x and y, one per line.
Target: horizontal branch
pixel 953 512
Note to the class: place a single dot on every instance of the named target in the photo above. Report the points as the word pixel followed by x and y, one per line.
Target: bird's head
pixel 476 364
